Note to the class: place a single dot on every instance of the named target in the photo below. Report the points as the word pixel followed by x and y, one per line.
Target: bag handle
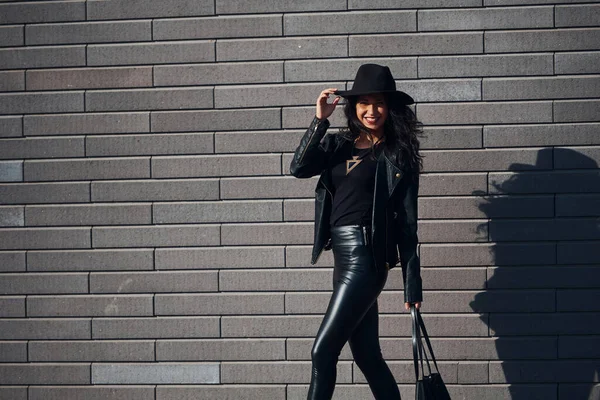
pixel 426 336
pixel 415 339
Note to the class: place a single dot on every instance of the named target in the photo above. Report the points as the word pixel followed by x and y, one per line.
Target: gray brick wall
pixel 154 246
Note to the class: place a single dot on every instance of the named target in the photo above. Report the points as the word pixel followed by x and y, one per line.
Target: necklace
pixel 355 160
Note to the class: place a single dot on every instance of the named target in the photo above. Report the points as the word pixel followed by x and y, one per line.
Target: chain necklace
pixel 355 160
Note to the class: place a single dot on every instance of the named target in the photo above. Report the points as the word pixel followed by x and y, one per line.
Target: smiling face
pixel 372 111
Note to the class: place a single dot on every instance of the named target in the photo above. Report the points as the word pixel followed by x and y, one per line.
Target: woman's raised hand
pixel 324 110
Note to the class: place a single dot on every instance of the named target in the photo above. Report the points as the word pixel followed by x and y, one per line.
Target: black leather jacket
pixel 394 220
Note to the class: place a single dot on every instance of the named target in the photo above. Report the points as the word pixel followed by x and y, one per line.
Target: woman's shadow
pixel 542 298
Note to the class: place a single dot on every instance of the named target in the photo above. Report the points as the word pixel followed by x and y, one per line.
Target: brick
pixel 11 126
pixel 12 307
pixel 151 53
pixel 267 233
pixel 97 214
pixel 45 328
pixel 577 62
pixel 221 211
pixel 577 110
pixel 487 254
pixel 220 350
pixel 485 65
pixel 298 210
pixel 29 193
pixel 111 145
pixel 269 95
pixel 578 346
pixel 219 304
pixel 487 160
pixel 282 48
pixel 503 391
pixel 218 73
pixel 275 280
pixel 242 392
pixel 12 216
pixel 149 99
pixel 349 23
pixel 89 78
pixel 90 260
pixel 541 40
pixel 155 328
pixel 541 88
pixel 41 102
pixel 12 81
pixel 523 2
pixel 156 281
pixel 92 123
pixel 448 137
pixel 89 168
pixel 44 238
pixel 577 205
pixel 277 372
pixel 13 352
pixel 540 135
pixel 585 15
pixel 542 182
pixel 582 390
pixel 44 283
pixel 124 9
pixel 578 252
pixel 416 43
pixel 156 190
pixel 42 148
pixel 257 142
pixel 300 117
pixel 472 372
pixel 544 324
pixel 153 373
pixel 486 207
pixel 542 371
pixel 45 374
pixel 485 113
pixel 548 277
pixel 576 157
pixel 577 300
pixel 42 56
pixel 12 261
pixel 383 4
pixel 453 184
pixel 90 306
pixel 267 187
pixel 90 392
pixel 215 165
pixel 486 18
pixel 11 171
pixel 345 69
pixel 404 371
pixel 453 230
pixel 442 90
pixel 11 35
pixel 43 11
pixel 215 120
pixel 217 27
pixel 88 32
pixel 156 236
pixel 13 393
pixel 258 6
pixel 220 257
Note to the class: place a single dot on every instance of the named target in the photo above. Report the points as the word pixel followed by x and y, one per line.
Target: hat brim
pixel 402 97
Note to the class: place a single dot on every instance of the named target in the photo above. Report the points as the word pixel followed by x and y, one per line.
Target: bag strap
pixel 415 339
pixel 422 326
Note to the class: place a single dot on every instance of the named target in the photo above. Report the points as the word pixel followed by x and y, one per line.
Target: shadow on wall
pixel 542 300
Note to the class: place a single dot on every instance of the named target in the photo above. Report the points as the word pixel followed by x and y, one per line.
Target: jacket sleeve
pixel 310 158
pixel 409 240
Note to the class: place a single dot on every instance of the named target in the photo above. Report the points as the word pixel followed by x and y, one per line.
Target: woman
pixel 366 212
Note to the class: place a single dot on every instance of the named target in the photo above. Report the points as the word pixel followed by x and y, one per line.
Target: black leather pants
pixel 352 315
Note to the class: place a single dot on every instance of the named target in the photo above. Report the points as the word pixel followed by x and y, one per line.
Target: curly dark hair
pixel 402 130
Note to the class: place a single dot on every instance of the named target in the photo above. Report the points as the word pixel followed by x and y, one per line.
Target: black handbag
pixel 432 386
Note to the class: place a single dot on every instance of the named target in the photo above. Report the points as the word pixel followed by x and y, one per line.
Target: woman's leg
pixel 364 344
pixel 356 287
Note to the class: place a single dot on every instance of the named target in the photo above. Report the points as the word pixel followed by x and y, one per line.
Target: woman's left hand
pixel 417 305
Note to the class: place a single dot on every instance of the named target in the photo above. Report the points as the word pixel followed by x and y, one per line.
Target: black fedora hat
pixel 374 78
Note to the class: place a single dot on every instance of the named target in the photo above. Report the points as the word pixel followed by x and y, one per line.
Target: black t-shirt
pixel 353 196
